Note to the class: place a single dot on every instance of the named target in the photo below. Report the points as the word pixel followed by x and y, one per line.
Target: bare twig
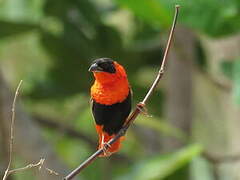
pixel 39 165
pixel 139 108
pixel 52 172
pixel 12 131
pixel 29 166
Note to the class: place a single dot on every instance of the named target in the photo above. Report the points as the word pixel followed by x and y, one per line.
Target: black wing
pixel 112 117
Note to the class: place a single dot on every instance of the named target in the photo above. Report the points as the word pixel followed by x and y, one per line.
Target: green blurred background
pixel 193 128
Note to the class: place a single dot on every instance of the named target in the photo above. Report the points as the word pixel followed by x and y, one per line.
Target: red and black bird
pixel 111 101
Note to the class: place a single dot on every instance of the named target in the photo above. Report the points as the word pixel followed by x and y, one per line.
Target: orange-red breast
pixel 111 101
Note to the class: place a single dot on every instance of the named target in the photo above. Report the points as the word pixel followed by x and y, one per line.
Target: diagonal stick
pixel 138 109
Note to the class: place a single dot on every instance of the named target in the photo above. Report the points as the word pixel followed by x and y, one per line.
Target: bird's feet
pixel 142 108
pixel 105 147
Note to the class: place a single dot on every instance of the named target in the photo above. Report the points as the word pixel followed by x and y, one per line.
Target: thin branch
pixel 52 172
pixel 162 68
pixel 12 131
pixel 139 108
pixel 29 166
pixel 38 165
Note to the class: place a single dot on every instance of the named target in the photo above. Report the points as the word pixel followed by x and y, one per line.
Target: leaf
pixel 161 166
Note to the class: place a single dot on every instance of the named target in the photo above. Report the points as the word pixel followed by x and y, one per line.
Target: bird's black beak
pixel 95 68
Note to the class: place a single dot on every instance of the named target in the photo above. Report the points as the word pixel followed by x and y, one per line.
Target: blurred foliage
pixel 10 28
pixel 152 11
pixel 201 169
pixel 162 127
pixel 161 166
pixel 213 17
pixel 51 43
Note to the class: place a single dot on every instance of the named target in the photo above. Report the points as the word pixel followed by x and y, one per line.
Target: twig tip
pixel 20 82
pixel 177 6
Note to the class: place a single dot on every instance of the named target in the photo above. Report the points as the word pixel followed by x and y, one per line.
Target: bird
pixel 111 102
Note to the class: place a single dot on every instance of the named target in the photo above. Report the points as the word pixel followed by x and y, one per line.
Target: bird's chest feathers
pixel 109 94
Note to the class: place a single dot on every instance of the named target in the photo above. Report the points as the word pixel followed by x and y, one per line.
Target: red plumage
pixel 111 97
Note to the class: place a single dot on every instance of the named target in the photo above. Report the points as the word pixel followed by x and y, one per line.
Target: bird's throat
pixel 110 93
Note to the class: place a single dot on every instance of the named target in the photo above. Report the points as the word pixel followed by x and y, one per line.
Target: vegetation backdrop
pixel 193 132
